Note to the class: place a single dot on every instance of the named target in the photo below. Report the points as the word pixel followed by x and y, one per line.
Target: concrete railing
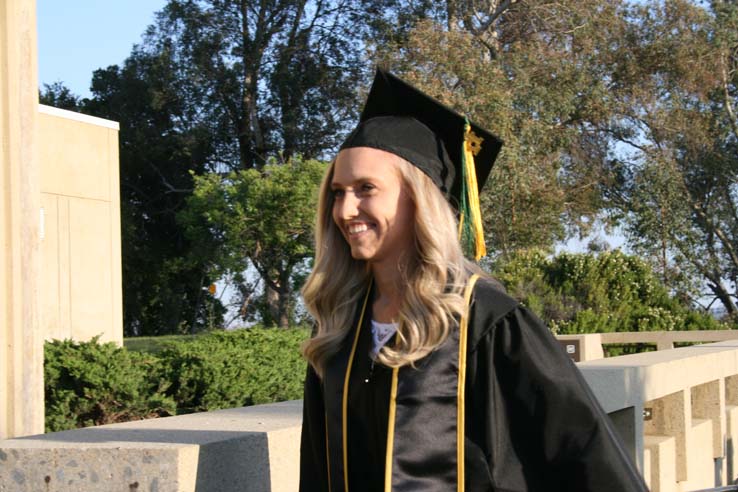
pixel 251 449
pixel 677 411
pixel 589 346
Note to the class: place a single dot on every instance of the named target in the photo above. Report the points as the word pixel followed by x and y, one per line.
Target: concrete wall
pixel 253 449
pixel 687 435
pixel 60 272
pixel 21 342
pixel 80 227
pixel 688 394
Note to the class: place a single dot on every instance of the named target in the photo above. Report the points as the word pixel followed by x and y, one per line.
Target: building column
pixel 21 343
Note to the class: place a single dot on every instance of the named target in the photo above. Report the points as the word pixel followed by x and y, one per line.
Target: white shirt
pixel 381 334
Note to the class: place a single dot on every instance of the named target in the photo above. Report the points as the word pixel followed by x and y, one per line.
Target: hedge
pixel 89 383
pixel 232 369
pixel 598 293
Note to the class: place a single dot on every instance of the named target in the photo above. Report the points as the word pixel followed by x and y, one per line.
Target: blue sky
pixel 76 37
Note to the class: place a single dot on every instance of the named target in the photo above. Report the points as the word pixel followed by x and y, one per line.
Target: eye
pixel 367 188
pixel 338 193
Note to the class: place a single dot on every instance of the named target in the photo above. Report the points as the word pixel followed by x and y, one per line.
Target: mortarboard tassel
pixel 471 232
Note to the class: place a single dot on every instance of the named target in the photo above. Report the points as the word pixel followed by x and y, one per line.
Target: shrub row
pixel 89 383
pixel 607 292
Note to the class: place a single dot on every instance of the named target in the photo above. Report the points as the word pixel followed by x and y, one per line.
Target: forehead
pixel 365 163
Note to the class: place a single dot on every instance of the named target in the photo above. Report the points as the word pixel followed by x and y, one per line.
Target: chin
pixel 362 254
pixel 357 255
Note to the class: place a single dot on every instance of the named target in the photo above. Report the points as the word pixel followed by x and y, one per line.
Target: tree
pixel 604 106
pixel 215 86
pixel 675 177
pixel 161 142
pixel 258 80
pixel 59 96
pixel 531 72
pixel 261 219
pixel 271 77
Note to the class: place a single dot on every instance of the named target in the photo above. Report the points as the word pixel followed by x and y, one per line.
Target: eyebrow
pixel 360 180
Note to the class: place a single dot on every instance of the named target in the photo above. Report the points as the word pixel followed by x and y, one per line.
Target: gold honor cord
pixel 461 387
pixel 390 432
pixel 471 228
pixel 461 407
pixel 344 403
pixel 327 452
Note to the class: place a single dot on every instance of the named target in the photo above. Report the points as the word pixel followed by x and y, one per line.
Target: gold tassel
pixel 472 146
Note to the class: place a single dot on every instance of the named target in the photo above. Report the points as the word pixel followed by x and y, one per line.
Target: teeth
pixel 357 228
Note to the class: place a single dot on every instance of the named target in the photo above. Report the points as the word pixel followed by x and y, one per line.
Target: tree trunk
pixel 284 310
pixel 273 302
pixel 724 297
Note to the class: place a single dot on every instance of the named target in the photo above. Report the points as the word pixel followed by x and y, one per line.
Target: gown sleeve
pixel 313 460
pixel 532 414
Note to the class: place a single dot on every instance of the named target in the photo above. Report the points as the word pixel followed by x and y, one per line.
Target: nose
pixel 348 206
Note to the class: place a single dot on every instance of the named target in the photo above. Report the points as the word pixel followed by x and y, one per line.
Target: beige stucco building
pixel 79 227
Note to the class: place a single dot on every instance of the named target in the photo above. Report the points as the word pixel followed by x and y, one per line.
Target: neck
pixel 388 288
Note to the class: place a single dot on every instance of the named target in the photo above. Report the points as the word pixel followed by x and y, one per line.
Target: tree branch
pixel 726 95
pixel 501 8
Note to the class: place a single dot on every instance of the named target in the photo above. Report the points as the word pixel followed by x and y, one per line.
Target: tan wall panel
pixel 91 290
pixel 82 251
pixel 49 306
pixel 55 269
pixel 75 158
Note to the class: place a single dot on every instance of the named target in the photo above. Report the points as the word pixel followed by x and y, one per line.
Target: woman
pixel 424 375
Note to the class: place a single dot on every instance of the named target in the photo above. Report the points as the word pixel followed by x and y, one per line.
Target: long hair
pixel 434 278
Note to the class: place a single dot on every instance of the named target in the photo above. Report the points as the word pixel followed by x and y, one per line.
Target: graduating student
pixel 423 374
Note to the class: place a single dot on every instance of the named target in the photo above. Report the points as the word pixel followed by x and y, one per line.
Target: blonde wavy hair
pixel 434 278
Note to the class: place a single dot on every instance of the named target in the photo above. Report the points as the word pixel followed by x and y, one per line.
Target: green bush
pixel 597 293
pixel 156 344
pixel 89 383
pixel 236 368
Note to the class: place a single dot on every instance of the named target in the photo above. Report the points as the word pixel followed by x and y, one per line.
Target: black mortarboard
pixel 400 119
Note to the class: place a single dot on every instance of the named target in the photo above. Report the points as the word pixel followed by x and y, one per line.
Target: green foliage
pixel 57 95
pixel 237 368
pixel 613 110
pixel 674 182
pixel 89 383
pixel 270 78
pixel 153 345
pixel 536 81
pixel 214 86
pixel 259 218
pixel 162 141
pixel 587 293
pixel 624 111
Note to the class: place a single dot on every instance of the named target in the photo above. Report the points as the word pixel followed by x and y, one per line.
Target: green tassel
pixel 466 228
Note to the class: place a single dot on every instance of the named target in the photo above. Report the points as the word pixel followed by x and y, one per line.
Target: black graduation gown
pixel 532 424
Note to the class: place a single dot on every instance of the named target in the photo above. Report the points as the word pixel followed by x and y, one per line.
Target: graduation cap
pixel 456 154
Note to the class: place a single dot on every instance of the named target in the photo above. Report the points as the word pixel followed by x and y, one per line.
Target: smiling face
pixel 372 207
